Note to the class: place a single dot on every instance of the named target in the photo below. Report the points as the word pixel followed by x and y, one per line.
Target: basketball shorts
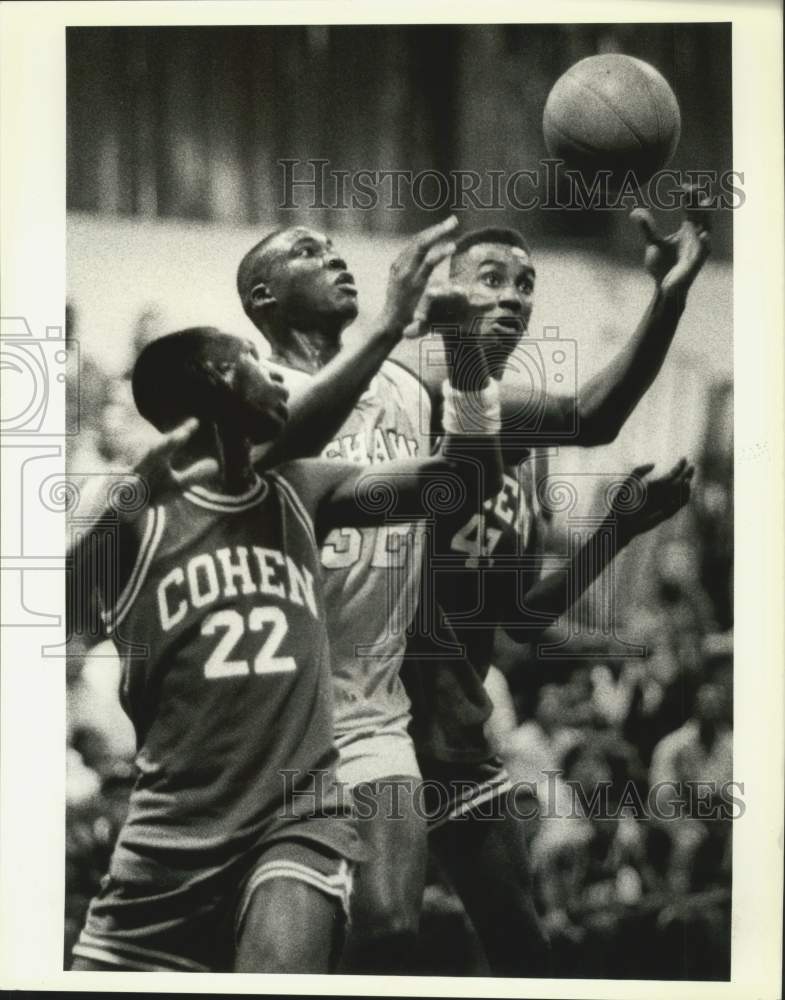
pixel 167 924
pixel 462 790
pixel 368 756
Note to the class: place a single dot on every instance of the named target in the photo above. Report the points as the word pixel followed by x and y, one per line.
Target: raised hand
pixel 662 498
pixel 448 309
pixel 155 468
pixel 675 260
pixel 411 270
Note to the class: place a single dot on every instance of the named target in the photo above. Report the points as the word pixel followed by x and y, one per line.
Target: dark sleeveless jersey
pixel 475 577
pixel 232 703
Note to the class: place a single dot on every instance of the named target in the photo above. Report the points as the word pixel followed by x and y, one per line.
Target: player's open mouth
pixel 346 283
pixel 509 324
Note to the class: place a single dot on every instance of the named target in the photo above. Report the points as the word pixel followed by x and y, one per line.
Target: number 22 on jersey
pixel 269 621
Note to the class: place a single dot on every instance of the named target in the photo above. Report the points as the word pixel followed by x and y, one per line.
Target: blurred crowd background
pixel 174 137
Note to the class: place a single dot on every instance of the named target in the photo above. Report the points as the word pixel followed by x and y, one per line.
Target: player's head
pixel 495 265
pixel 201 372
pixel 295 279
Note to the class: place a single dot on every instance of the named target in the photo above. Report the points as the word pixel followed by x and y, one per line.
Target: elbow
pixel 594 431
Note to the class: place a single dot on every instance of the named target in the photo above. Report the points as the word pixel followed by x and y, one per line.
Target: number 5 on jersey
pixel 233 627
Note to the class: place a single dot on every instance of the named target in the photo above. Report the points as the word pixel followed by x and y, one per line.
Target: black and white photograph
pixel 389 521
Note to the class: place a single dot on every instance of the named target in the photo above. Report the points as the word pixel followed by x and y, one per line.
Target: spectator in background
pixel 700 751
pixel 660 686
pixel 578 698
pixel 87 390
pixel 503 720
pixel 538 746
pixel 681 598
pixel 93 707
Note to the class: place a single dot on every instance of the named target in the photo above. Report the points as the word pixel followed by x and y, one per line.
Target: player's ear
pixel 261 297
pixel 213 372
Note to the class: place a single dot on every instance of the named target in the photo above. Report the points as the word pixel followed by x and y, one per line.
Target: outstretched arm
pixel 106 526
pixel 320 410
pixel 152 478
pixel 550 597
pixel 604 403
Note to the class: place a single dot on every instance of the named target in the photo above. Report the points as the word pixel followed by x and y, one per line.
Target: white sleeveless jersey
pixel 372 575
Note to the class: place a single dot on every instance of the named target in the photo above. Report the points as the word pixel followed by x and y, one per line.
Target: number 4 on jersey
pixel 234 627
pixel 476 540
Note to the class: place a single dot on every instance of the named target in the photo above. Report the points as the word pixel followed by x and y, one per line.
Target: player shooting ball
pixel 490 570
pixel 238 846
pixel 492 279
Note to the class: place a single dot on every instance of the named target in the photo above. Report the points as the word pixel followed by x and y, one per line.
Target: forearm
pixel 317 413
pixel 605 401
pixel 444 485
pixel 549 598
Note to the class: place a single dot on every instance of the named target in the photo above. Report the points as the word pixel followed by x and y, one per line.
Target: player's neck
pixel 236 471
pixel 307 351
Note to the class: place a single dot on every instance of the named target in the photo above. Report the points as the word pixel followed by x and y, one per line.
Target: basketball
pixel 612 112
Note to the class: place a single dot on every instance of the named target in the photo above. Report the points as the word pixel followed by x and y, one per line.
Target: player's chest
pixel 511 511
pixel 244 558
pixel 505 524
pixel 381 428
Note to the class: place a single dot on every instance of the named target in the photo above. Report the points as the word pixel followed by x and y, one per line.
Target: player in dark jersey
pixel 484 573
pixel 304 328
pixel 238 842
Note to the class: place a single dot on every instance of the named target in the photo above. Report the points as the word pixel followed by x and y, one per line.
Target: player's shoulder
pixel 299 488
pixel 304 482
pixel 416 395
pixel 407 379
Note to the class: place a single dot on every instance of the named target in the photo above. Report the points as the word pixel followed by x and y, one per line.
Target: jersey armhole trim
pixel 298 507
pixel 434 402
pixel 429 390
pixel 154 529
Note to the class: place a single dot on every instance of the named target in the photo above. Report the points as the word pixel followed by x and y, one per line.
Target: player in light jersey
pixel 296 289
pixel 286 286
pixel 372 576
pixel 236 847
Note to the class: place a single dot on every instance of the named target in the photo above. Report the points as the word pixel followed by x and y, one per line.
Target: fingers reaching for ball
pixel 697 207
pixel 644 218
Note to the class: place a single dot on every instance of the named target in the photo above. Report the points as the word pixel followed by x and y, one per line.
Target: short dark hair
pixel 165 383
pixel 490 234
pixel 252 269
